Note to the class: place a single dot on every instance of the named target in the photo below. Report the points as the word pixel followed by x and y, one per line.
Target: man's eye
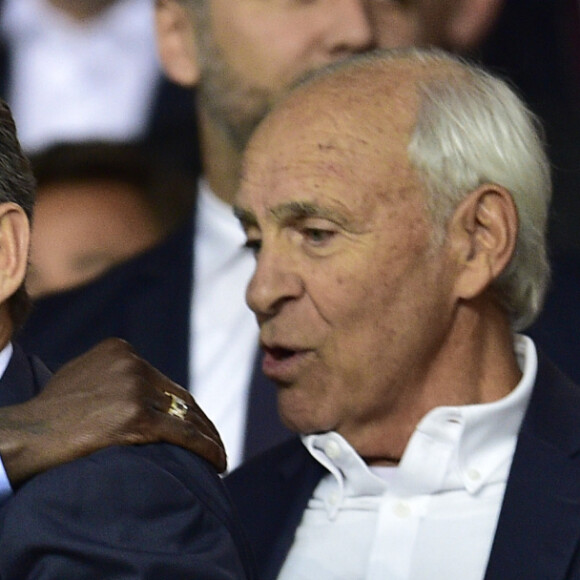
pixel 253 245
pixel 317 235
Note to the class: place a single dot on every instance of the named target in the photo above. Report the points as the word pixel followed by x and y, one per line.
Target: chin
pixel 303 421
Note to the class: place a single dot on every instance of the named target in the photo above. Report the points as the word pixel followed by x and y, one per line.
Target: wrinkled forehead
pixel 349 127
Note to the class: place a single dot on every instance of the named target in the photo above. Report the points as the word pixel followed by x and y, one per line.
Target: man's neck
pixel 476 364
pixel 220 158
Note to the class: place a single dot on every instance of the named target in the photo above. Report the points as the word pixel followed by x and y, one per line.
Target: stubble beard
pixel 230 102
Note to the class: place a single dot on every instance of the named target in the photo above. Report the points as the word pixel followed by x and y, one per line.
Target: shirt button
pixel 333 499
pixel 332 449
pixel 402 509
pixel 473 474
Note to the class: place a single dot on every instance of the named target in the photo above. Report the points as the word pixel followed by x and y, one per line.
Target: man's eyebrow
pixel 296 210
pixel 247 218
pixel 290 211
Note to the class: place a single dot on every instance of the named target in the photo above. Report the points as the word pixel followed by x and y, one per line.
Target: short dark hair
pixel 167 191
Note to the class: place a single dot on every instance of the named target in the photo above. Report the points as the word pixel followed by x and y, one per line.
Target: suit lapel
pixel 271 494
pixel 23 378
pixel 299 476
pixel 538 530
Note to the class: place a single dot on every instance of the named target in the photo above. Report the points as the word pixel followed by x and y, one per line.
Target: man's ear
pixel 483 232
pixel 14 245
pixel 470 21
pixel 176 42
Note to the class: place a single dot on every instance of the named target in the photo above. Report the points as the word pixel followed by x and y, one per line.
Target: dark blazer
pixel 145 301
pixel 24 377
pixel 538 534
pixel 557 330
pixel 142 512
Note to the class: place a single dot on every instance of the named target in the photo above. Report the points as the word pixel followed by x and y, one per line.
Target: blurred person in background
pixel 98 204
pixel 76 70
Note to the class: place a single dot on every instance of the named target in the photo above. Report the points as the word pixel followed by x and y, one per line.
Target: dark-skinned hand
pixel 108 396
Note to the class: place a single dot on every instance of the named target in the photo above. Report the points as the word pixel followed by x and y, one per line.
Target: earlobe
pixel 14 245
pixel 483 231
pixel 176 42
pixel 471 22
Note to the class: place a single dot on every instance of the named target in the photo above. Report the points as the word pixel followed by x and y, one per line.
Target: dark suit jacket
pixel 141 512
pixel 145 301
pixel 24 377
pixel 557 330
pixel 538 534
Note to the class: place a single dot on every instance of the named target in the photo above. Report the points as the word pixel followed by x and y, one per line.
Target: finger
pixel 186 434
pixel 194 415
pixel 161 384
pixel 189 427
pixel 201 421
pixel 194 410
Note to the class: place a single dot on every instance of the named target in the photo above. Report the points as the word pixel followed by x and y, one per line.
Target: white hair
pixel 472 129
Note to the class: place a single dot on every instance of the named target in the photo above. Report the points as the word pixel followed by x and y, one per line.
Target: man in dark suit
pixel 178 304
pixel 397 205
pixel 147 511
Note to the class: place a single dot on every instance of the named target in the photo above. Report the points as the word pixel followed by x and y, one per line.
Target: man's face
pixel 351 294
pixel 250 51
pixel 83 229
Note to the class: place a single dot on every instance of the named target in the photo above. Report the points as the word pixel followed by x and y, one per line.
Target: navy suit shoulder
pixel 152 511
pixel 137 512
pixel 538 532
pixel 172 131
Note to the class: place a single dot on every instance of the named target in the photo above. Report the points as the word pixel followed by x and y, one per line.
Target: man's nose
pixel 275 282
pixel 349 27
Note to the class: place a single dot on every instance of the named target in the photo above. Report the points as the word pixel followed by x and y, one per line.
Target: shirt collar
pixel 457 447
pixel 5 356
pixel 217 225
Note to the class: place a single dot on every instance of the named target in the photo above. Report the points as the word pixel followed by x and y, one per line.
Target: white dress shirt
pixel 76 81
pixel 5 487
pixel 431 518
pixel 225 333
